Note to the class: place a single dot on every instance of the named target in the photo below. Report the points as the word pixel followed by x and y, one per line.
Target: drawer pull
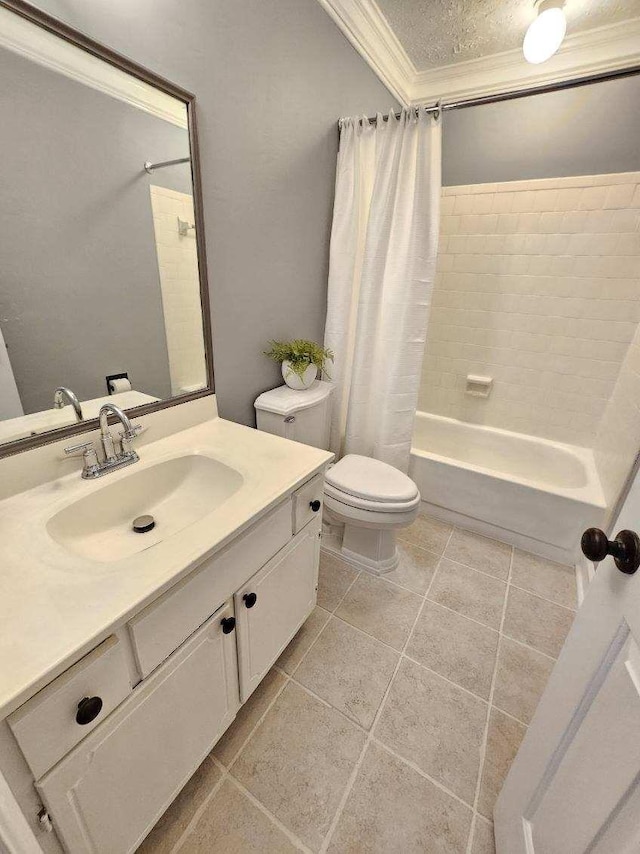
pixel 250 599
pixel 228 625
pixel 88 710
pixel 315 505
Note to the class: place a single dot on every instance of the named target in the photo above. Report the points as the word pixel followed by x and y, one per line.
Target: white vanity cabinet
pixel 272 606
pixel 106 794
pixel 200 649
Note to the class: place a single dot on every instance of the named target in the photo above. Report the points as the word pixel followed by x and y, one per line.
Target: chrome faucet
pixel 114 457
pixel 59 396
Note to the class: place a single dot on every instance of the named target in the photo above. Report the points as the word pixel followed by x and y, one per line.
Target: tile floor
pixel 390 721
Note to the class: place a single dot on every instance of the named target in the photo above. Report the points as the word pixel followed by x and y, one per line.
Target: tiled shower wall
pixel 538 287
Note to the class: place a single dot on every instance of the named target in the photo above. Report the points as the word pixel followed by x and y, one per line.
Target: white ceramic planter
pixel 294 381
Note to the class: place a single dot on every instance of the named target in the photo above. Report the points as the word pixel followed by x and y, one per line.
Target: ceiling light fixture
pixel 546 32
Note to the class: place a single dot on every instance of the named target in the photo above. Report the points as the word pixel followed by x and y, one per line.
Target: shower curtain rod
pixel 516 93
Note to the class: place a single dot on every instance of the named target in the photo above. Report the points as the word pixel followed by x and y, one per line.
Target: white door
pixel 574 786
pixel 272 606
pixel 111 789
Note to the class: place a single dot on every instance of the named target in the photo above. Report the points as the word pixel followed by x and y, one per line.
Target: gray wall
pixel 79 286
pixel 588 130
pixel 271 78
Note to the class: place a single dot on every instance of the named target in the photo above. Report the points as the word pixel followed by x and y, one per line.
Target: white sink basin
pixel 176 493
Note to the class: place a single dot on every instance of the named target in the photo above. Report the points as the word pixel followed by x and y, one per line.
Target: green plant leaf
pixel 300 353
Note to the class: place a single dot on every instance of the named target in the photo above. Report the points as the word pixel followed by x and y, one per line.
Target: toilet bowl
pixel 366 501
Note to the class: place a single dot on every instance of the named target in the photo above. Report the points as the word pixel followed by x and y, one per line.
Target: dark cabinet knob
pixel 625 549
pixel 250 599
pixel 315 505
pixel 88 710
pixel 228 625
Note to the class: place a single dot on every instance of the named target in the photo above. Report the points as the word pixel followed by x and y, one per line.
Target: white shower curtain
pixel 384 243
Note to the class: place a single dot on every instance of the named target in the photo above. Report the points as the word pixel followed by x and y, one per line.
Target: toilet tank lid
pixel 285 401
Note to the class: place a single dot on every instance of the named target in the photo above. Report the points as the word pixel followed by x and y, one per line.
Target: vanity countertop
pixel 56 605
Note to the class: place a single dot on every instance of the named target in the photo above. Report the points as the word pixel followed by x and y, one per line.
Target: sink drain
pixel 143 524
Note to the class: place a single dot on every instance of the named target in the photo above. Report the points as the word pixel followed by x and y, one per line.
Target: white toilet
pixel 366 501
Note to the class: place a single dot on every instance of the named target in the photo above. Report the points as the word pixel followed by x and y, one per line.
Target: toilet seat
pixel 368 484
pixel 371 505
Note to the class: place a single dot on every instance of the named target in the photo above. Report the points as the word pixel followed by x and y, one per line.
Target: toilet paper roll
pixel 121 384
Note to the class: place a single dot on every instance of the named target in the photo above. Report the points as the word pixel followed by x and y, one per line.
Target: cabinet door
pixel 111 789
pixel 273 605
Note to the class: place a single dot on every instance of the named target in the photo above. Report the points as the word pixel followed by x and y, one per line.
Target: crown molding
pixel 49 50
pixel 367 29
pixel 598 51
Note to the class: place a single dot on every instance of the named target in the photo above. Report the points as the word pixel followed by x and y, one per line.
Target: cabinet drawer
pixel 111 789
pixel 160 629
pixel 46 727
pixel 272 606
pixel 308 502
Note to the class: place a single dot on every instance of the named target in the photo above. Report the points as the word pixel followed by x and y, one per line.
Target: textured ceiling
pixel 441 32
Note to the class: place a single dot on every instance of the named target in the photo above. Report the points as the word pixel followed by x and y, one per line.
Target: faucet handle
pixel 82 448
pixel 126 439
pixel 90 464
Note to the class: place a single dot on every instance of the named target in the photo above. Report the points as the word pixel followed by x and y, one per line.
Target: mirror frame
pixel 69 34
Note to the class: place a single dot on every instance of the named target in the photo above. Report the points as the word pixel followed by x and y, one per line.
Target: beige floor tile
pixel 548 579
pixel 299 761
pixel 350 670
pixel 521 678
pixel 455 647
pixel 536 622
pixel 436 725
pixel 471 593
pixel 483 839
pixel 427 533
pixel 248 716
pixel 415 569
pixel 479 552
pixel 174 822
pixel 334 579
pixel 381 609
pixel 232 823
pixel 392 808
pixel 503 742
pixel 298 647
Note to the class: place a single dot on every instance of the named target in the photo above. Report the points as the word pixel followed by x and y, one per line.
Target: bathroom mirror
pixel 103 292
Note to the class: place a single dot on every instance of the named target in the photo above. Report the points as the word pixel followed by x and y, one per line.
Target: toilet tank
pixel 304 416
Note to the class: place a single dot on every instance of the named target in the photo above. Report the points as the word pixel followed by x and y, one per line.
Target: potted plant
pixel 301 361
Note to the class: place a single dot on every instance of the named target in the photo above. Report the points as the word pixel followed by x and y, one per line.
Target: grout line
pixel 509 715
pixel 358 765
pixel 484 743
pixel 544 598
pixel 282 827
pixel 528 646
pixel 421 772
pixel 479 571
pixel 256 725
pixel 200 811
pixel 465 616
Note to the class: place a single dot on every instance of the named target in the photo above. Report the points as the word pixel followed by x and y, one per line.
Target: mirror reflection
pixel 99 281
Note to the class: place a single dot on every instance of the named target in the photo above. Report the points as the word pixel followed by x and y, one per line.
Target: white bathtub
pixel 536 494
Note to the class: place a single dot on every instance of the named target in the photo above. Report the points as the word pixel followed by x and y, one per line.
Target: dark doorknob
pixel 625 549
pixel 315 505
pixel 228 625
pixel 250 599
pixel 88 710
